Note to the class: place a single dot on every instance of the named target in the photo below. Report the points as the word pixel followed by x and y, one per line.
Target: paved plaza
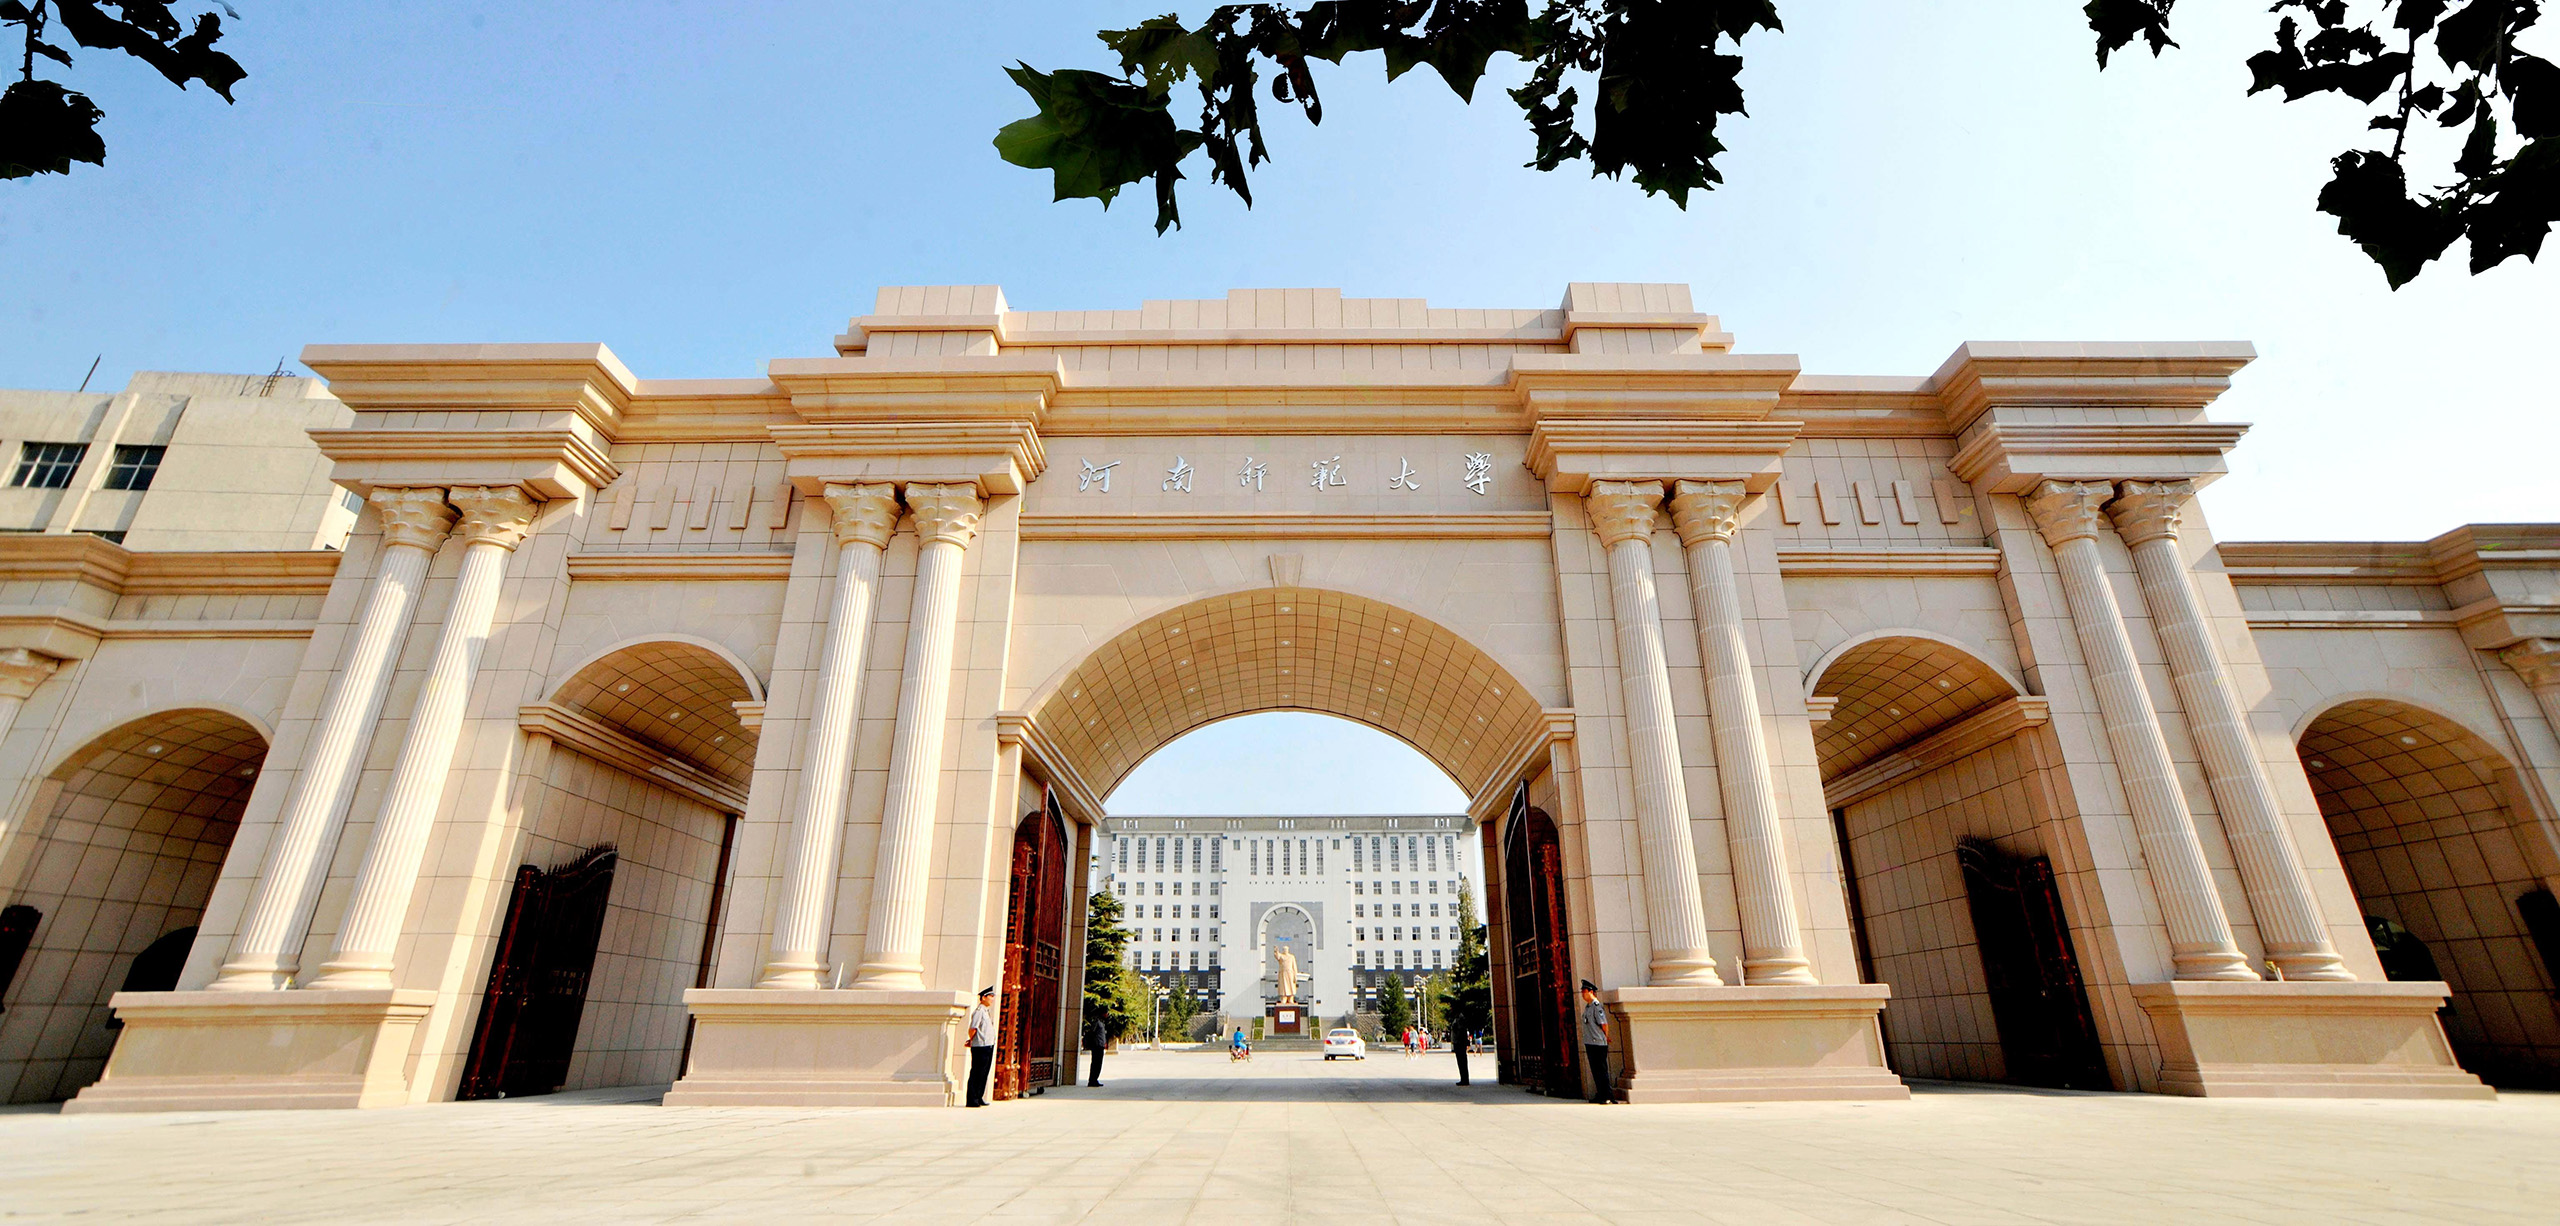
pixel 1188 1136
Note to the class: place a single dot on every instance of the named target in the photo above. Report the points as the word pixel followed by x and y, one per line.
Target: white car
pixel 1345 1042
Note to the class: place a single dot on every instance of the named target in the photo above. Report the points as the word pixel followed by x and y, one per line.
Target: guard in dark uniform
pixel 982 1045
pixel 1595 1042
pixel 1096 1037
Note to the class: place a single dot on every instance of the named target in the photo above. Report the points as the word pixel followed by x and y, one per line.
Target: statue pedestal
pixel 1745 1044
pixel 1286 1019
pixel 757 1047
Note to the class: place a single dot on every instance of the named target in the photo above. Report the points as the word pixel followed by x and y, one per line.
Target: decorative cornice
pixel 78 556
pixel 2535 660
pixel 1830 561
pixel 1622 510
pixel 1571 453
pixel 945 514
pixel 497 515
pixel 303 572
pixel 2009 457
pixel 584 380
pixel 2327 563
pixel 862 513
pixel 1522 525
pixel 1705 511
pixel 1688 387
pixel 1984 375
pixel 413 516
pixel 553 463
pixel 1521 761
pixel 889 390
pixel 2069 510
pixel 639 567
pixel 579 731
pixel 2148 510
pixel 21 671
pixel 1971 734
pixel 1000 456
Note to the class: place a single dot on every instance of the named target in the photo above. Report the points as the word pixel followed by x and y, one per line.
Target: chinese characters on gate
pixel 1323 474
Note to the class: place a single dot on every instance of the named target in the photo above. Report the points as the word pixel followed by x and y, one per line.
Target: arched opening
pixel 2425 817
pixel 1930 761
pixel 630 819
pixel 1253 856
pixel 133 839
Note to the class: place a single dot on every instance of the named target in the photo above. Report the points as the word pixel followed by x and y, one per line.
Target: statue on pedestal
pixel 1288 963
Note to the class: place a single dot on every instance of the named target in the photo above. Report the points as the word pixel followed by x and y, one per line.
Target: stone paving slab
pixel 1183 1136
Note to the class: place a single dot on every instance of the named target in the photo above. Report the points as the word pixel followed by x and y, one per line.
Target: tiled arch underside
pixel 675 696
pixel 1288 649
pixel 1894 691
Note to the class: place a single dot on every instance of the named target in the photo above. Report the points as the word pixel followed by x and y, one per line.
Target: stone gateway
pixel 733 732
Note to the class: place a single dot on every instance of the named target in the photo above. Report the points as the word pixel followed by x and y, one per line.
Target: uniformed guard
pixel 1096 1037
pixel 982 1045
pixel 1595 1041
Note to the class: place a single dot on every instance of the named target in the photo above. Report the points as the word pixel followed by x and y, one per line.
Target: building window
pixel 1359 934
pixel 1155 961
pixel 1399 959
pixel 1356 891
pixel 1159 891
pixel 1195 961
pixel 1360 958
pixel 1435 959
pixel 351 500
pixel 134 467
pixel 48 466
pixel 1435 887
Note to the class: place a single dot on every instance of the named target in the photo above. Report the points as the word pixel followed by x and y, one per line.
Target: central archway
pixel 1279 649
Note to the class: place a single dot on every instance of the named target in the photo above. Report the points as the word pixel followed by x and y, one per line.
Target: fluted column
pixel 495 520
pixel 1707 514
pixel 268 948
pixel 2200 943
pixel 1622 512
pixel 864 517
pixel 946 519
pixel 2146 515
pixel 21 671
pixel 2538 662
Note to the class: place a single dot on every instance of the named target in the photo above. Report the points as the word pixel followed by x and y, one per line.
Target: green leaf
pixel 1097 134
pixel 2516 206
pixel 2118 22
pixel 2369 195
pixel 44 128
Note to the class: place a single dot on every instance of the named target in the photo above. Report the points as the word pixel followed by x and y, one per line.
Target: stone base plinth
pixel 793 1048
pixel 2304 1040
pixel 224 1051
pixel 1752 1044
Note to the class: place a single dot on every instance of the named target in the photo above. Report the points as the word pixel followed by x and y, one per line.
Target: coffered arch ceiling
pixel 677 696
pixel 1288 649
pixel 1893 690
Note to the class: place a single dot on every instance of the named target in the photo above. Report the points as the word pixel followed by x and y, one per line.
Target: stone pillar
pixel 946 519
pixel 864 517
pixel 1621 513
pixel 269 946
pixel 2200 943
pixel 2537 661
pixel 1707 513
pixel 495 520
pixel 2146 515
pixel 21 671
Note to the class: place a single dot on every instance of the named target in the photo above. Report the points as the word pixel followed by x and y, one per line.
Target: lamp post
pixel 1155 1015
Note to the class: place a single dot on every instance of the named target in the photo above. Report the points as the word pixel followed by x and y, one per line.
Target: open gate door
pixel 528 1024
pixel 2038 1002
pixel 1034 955
pixel 1541 952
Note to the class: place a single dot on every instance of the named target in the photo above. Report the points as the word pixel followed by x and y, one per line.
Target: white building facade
pixel 1210 902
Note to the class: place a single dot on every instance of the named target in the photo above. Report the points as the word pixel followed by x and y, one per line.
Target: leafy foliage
pixel 1466 994
pixel 1179 1008
pixel 1659 79
pixel 2476 78
pixel 1395 1010
pixel 45 127
pixel 1112 992
pixel 1658 86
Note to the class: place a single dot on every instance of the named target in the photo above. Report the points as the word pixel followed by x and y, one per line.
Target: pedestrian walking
pixel 982 1045
pixel 1096 1037
pixel 1595 1041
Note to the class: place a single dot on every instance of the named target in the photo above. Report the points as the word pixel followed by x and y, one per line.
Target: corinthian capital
pixel 500 515
pixel 21 671
pixel 416 516
pixel 865 513
pixel 2068 510
pixel 1622 510
pixel 946 513
pixel 2147 510
pixel 2535 660
pixel 1707 510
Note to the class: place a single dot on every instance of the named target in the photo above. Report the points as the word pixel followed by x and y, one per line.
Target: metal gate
pixel 1542 1055
pixel 538 981
pixel 1034 955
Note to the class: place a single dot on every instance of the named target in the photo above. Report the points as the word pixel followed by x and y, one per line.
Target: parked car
pixel 1345 1042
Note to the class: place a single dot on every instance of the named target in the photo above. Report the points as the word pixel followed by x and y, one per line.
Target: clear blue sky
pixel 704 187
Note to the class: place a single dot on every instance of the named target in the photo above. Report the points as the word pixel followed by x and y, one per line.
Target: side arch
pixel 746 675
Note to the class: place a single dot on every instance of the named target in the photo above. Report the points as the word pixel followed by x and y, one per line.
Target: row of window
pixel 1282 856
pixel 1360 959
pixel 1394 910
pixel 1362 934
pixel 51 466
pixel 1153 960
pixel 1134 889
pixel 1141 912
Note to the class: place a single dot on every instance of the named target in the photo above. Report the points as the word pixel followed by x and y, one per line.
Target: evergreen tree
pixel 1110 989
pixel 1394 1013
pixel 1179 1009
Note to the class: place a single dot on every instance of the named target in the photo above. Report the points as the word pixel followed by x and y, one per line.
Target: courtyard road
pixel 1188 1136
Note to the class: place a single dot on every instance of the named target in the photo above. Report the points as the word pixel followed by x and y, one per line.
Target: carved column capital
pixel 21 671
pixel 2535 660
pixel 1707 510
pixel 1622 510
pixel 500 515
pixel 946 513
pixel 413 516
pixel 864 513
pixel 2148 510
pixel 2068 510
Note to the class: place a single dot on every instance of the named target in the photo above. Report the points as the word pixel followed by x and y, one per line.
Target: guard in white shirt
pixel 982 1045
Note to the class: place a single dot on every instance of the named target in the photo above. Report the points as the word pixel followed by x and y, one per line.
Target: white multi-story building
pixel 1212 900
